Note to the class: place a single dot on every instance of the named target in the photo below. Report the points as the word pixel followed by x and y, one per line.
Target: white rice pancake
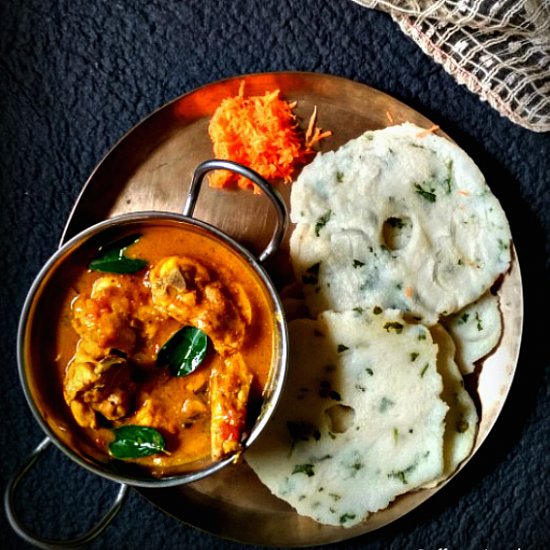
pixel 461 421
pixel 476 330
pixel 396 220
pixel 360 421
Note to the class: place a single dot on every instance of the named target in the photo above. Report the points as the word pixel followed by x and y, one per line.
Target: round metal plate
pixel 150 168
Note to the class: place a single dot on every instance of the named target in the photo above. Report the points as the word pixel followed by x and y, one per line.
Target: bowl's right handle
pixel 273 195
pixel 41 542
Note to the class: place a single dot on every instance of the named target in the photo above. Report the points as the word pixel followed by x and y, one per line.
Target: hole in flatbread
pixel 396 232
pixel 341 418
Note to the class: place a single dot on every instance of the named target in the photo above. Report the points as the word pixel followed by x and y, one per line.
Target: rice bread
pixel 400 219
pixel 361 419
pixel 476 330
pixel 462 420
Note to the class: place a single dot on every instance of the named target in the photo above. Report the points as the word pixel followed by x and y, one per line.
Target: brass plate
pixel 150 169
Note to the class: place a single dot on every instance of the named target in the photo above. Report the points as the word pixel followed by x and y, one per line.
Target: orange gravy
pixel 159 393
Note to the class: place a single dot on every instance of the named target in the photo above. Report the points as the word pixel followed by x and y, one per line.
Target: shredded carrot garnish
pixel 463 192
pixel 260 132
pixel 428 131
pixel 389 117
pixel 408 292
pixel 314 134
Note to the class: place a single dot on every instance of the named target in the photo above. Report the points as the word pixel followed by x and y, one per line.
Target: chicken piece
pixel 229 390
pixel 117 314
pixel 171 402
pixel 105 316
pixel 194 408
pixel 102 386
pixel 186 291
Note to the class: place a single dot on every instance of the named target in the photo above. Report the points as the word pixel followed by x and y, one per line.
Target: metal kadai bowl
pixel 37 331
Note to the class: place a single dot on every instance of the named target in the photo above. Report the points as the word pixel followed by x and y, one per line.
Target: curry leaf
pixel 120 265
pixel 136 441
pixel 114 260
pixel 184 351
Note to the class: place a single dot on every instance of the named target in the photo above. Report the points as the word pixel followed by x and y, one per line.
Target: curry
pixel 173 353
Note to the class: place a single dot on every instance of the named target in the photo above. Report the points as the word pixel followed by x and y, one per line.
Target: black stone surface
pixel 75 76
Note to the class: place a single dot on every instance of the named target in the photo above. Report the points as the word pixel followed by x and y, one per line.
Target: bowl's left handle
pixel 271 193
pixel 41 542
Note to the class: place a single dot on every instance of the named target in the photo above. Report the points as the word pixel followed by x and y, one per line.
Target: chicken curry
pixel 164 348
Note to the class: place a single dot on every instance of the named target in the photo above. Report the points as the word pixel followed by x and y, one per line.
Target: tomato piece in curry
pixel 113 326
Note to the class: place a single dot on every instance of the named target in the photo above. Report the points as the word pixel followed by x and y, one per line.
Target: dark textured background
pixel 75 75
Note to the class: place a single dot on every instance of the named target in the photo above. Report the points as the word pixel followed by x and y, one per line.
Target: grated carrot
pixel 428 131
pixel 314 134
pixel 408 292
pixel 262 133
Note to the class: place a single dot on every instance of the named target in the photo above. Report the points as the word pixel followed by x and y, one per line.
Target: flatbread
pixel 461 421
pixel 476 330
pixel 360 420
pixel 396 220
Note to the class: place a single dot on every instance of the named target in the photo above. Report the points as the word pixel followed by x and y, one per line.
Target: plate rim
pixel 68 232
